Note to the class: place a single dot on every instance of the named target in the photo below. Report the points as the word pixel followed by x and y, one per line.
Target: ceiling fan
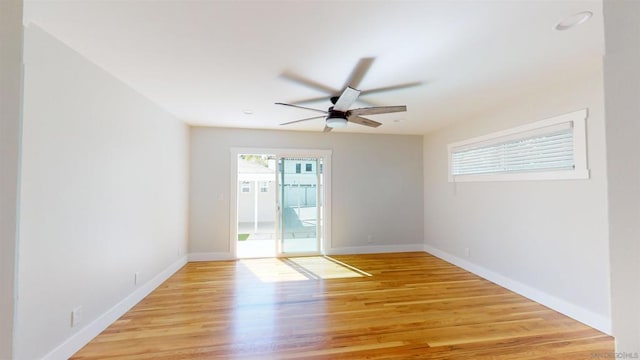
pixel 339 114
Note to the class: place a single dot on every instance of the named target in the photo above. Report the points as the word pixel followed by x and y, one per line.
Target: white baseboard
pixel 373 249
pixel 574 311
pixel 210 256
pixel 218 256
pixel 87 333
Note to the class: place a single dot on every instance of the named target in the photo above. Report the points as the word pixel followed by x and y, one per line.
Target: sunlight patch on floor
pixel 301 268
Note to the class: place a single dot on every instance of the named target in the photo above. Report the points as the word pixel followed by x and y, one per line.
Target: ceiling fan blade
pixel 324 98
pixel 308 82
pixel 301 107
pixel 301 120
pixel 310 101
pixel 327 129
pixel 390 88
pixel 359 72
pixel 363 121
pixel 348 97
pixel 377 110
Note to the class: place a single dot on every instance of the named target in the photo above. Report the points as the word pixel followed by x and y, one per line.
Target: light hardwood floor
pixel 396 306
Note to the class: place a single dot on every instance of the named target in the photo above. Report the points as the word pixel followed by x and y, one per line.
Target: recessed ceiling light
pixel 573 20
pixel 247 111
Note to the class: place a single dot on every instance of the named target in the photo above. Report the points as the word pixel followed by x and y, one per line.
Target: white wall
pixel 548 239
pixel 104 194
pixel 376 186
pixel 10 118
pixel 622 96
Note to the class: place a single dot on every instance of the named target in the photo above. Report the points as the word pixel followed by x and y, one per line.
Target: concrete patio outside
pixel 261 243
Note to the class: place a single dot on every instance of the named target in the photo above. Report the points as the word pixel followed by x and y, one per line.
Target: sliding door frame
pixel 324 154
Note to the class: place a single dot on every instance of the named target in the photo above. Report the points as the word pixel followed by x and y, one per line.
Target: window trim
pixel 581 171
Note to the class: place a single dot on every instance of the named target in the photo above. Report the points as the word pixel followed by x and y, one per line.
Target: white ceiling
pixel 208 61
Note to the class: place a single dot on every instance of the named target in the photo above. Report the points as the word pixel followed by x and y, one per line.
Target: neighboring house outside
pixel 256 193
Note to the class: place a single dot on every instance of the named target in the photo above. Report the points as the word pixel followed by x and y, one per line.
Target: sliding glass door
pixel 280 202
pixel 300 205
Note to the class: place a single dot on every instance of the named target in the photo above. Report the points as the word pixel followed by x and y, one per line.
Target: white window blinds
pixel 549 149
pixel 544 149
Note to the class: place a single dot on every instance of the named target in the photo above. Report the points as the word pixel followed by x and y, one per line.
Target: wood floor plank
pixel 393 306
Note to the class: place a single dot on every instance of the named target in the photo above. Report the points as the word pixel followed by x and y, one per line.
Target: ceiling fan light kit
pixel 339 115
pixel 336 122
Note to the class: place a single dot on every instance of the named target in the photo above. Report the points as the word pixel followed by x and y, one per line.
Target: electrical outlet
pixel 136 277
pixel 369 239
pixel 76 316
pixel 467 252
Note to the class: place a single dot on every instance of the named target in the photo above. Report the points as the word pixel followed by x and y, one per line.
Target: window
pixel 245 186
pixel 298 168
pixel 264 186
pixel 549 149
pixel 308 168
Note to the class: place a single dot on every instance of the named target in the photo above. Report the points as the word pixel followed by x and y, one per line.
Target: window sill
pixel 524 176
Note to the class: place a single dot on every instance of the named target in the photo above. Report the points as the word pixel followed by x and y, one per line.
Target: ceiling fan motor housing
pixel 336 114
pixel 336 118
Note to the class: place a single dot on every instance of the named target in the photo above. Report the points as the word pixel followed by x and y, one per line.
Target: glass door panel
pixel 256 197
pixel 299 205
